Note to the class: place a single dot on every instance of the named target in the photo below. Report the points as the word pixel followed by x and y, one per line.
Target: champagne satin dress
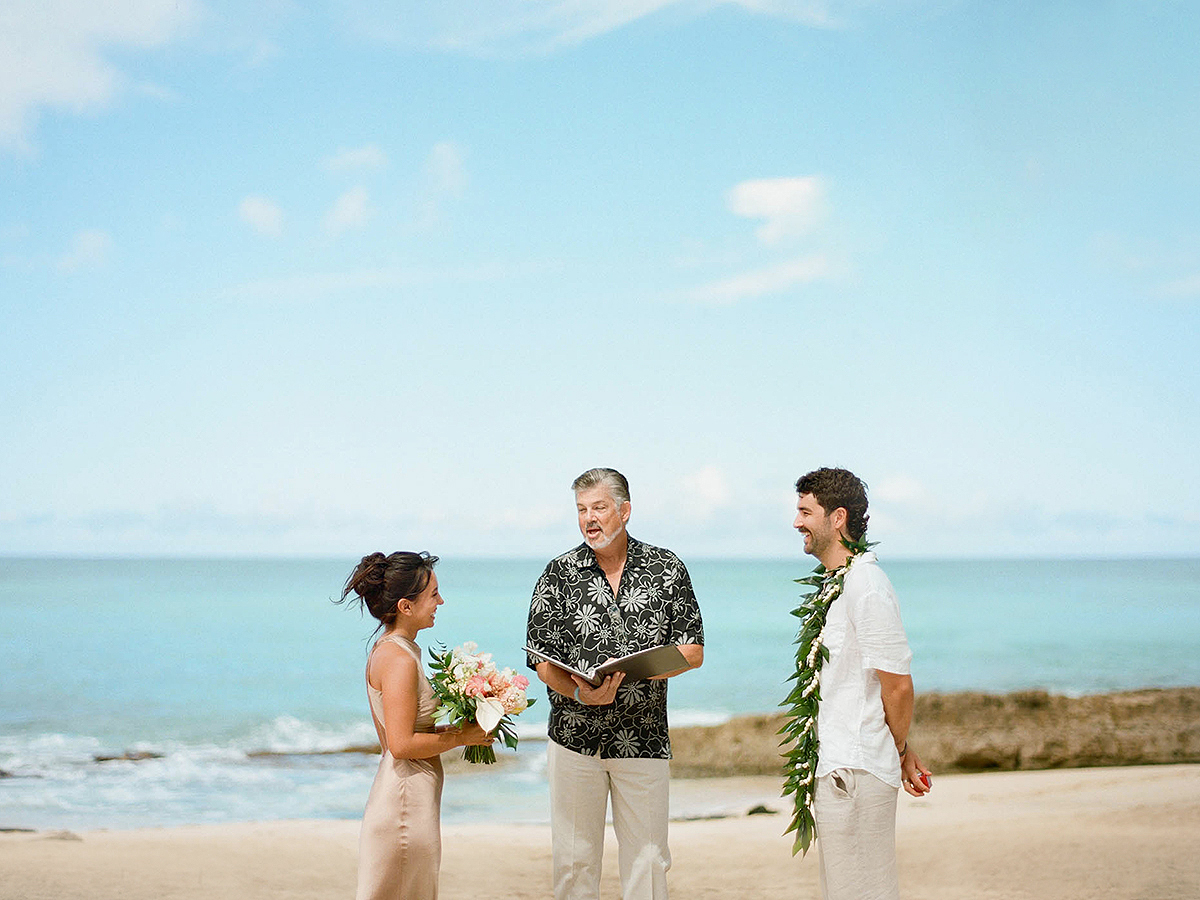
pixel 400 846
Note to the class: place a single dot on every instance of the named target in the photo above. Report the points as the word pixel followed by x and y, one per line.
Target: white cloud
pixel 444 169
pixel 818 13
pixel 706 491
pixel 154 91
pixel 897 489
pixel 1182 288
pixel 445 177
pixel 1161 270
pixel 351 210
pixel 762 282
pixel 260 53
pixel 54 54
pixel 306 286
pixel 370 156
pixel 522 27
pixel 317 285
pixel 792 207
pixel 261 214
pixel 90 248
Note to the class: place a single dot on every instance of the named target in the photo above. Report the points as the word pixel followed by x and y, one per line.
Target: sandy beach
pixel 1098 833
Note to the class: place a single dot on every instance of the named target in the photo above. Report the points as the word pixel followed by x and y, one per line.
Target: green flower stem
pixel 479 754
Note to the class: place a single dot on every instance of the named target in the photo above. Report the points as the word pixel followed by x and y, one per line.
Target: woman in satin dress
pixel 400 845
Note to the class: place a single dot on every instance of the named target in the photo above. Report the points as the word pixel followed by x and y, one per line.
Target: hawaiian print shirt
pixel 574 616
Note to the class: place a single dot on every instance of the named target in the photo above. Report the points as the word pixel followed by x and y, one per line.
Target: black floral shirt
pixel 574 616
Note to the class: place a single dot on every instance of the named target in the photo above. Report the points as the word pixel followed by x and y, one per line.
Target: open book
pixel 636 666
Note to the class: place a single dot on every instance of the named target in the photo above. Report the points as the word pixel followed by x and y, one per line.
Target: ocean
pixel 234 679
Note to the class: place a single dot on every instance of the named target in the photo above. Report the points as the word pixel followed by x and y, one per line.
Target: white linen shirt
pixel 864 633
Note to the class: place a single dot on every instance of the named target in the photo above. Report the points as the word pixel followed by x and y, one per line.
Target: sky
pixel 320 279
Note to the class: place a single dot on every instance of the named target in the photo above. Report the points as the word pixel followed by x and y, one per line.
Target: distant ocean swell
pixel 251 713
pixel 286 768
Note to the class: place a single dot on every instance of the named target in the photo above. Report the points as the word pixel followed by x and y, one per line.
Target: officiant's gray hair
pixel 609 478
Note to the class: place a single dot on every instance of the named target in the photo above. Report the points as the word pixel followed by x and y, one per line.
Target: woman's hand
pixel 473 735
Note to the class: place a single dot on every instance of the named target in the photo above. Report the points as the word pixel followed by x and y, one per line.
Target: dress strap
pixel 400 641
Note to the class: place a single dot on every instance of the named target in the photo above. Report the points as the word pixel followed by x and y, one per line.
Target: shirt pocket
pixel 835 633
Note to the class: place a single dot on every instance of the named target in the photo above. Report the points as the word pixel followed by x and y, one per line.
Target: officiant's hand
pixel 598 696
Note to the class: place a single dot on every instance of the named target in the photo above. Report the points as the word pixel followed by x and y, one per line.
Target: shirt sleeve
pixel 880 632
pixel 687 626
pixel 543 629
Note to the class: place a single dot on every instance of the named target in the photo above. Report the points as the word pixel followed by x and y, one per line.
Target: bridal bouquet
pixel 470 688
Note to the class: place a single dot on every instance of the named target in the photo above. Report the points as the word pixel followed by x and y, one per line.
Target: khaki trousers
pixel 580 787
pixel 855 814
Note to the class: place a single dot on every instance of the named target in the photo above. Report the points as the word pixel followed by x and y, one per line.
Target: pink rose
pixel 520 682
pixel 476 686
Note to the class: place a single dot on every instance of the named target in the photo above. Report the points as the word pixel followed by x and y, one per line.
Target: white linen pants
pixel 855 814
pixel 580 787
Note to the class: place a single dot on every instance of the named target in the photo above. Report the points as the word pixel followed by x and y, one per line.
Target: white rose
pixel 514 701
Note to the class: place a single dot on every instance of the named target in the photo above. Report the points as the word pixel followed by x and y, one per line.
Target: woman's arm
pixel 398 678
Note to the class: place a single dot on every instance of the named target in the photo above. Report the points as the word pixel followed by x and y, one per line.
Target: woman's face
pixel 423 607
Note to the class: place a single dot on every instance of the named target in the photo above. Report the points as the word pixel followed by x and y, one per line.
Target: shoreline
pixel 960 732
pixel 957 732
pixel 974 731
pixel 963 731
pixel 1103 833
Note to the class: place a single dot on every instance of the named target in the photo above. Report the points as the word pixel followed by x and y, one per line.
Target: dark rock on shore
pixel 366 749
pixel 972 732
pixel 1037 730
pixel 745 745
pixel 129 756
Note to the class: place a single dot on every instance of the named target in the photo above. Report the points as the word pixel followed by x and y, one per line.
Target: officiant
pixel 608 597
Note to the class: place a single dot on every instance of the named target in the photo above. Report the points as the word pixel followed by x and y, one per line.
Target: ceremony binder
pixel 636 666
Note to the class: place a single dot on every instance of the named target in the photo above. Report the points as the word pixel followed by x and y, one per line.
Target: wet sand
pixel 1062 834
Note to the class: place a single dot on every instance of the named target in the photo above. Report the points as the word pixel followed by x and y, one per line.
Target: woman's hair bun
pixel 379 582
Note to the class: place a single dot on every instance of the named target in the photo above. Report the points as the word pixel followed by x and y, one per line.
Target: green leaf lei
pixel 800 725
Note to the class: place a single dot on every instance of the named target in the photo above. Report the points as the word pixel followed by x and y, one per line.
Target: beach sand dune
pixel 1119 833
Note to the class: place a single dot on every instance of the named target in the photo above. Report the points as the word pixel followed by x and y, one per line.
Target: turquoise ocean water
pixel 237 673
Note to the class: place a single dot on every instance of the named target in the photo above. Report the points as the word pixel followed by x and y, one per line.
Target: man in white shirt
pixel 866 699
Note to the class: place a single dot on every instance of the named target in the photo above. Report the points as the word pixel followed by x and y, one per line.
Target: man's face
pixel 601 518
pixel 814 523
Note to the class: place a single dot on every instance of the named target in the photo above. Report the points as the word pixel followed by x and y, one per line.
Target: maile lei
pixel 800 725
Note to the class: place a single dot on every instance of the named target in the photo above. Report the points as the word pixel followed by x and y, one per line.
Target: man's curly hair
pixel 835 488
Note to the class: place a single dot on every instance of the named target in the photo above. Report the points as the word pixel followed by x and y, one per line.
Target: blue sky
pixel 320 279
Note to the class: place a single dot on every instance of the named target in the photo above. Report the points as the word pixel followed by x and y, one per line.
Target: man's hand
pixel 602 695
pixel 911 772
